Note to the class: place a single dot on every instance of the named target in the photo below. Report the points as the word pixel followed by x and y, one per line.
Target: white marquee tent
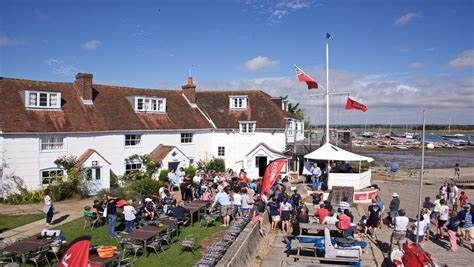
pixel 330 152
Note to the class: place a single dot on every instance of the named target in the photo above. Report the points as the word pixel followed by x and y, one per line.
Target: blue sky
pixel 397 57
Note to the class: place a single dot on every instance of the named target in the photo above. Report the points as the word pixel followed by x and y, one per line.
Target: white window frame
pixel 150 104
pixel 55 143
pixel 138 163
pixel 49 104
pixel 139 144
pixel 188 137
pixel 238 102
pixel 221 151
pixel 247 127
pixel 50 177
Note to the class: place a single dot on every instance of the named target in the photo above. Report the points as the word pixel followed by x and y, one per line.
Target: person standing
pixel 400 223
pixel 285 215
pixel 223 199
pixel 393 170
pixel 454 196
pixel 111 216
pixel 316 175
pixel 48 208
pixel 129 214
pixel 374 214
pixel 467 228
pixel 453 226
pixel 381 204
pixel 457 171
pixel 393 207
pixel 443 218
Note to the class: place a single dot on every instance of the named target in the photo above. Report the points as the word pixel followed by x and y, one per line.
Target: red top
pixel 344 222
pixel 321 213
pixel 463 199
pixel 243 177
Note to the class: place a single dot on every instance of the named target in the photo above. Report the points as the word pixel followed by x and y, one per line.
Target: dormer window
pixel 238 102
pixel 247 127
pixel 49 100
pixel 150 104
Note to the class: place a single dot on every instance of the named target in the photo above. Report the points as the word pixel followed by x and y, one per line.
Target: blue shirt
pixel 468 219
pixel 273 209
pixel 223 199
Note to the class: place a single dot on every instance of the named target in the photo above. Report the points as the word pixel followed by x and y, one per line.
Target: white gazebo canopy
pixel 332 152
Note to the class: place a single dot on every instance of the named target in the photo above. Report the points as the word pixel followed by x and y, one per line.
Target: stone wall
pixel 245 248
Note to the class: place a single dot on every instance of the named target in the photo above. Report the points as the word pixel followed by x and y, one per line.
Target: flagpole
pixel 421 179
pixel 327 90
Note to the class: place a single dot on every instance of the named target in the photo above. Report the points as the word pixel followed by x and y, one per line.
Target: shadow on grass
pixel 61 219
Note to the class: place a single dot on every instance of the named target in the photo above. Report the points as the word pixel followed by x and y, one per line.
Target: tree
pixel 296 111
pixel 151 167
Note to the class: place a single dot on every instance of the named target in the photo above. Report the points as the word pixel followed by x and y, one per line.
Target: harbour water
pixel 436 158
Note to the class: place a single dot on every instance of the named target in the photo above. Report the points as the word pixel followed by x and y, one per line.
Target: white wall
pixel 22 152
pixel 238 145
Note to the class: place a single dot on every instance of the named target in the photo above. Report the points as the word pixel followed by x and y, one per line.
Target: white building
pixel 103 125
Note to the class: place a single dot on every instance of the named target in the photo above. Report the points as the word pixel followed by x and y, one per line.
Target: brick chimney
pixel 189 90
pixel 83 84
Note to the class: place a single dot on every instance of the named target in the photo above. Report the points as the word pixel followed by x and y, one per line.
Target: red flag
pixel 303 77
pixel 271 173
pixel 351 104
pixel 77 254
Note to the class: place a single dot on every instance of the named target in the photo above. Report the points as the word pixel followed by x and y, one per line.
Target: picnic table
pixel 317 227
pixel 196 206
pixel 26 246
pixel 95 260
pixel 146 233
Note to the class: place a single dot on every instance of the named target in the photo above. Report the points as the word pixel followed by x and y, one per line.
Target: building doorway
pixel 261 164
pixel 173 165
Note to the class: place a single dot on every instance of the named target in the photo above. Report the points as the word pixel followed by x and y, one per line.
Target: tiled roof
pixel 159 153
pixel 260 108
pixel 111 110
pixel 82 158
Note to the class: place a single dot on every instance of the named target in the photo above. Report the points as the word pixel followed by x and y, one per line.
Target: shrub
pixel 190 170
pixel 150 167
pixel 146 186
pixel 216 164
pixel 63 190
pixel 164 175
pixel 25 197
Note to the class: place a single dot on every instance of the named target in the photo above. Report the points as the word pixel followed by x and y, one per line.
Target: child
pixel 463 198
pixel 453 226
pixel 206 196
pixel 457 171
pixel 88 212
pixel 362 225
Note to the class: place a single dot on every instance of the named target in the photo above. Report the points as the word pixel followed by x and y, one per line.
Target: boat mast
pixel 327 88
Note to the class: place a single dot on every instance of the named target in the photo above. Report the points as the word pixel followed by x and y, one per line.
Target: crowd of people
pixel 448 217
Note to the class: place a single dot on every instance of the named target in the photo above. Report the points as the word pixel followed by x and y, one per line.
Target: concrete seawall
pixel 245 248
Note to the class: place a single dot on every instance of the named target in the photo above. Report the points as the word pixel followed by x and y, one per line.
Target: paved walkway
pixel 408 191
pixel 275 257
pixel 68 210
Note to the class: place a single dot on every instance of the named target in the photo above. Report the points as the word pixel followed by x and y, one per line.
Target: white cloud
pixel 277 10
pixel 91 45
pixel 464 60
pixel 389 98
pixel 59 67
pixel 404 19
pixel 417 65
pixel 259 62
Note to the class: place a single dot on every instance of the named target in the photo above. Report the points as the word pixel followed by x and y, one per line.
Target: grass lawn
pixel 8 222
pixel 169 257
